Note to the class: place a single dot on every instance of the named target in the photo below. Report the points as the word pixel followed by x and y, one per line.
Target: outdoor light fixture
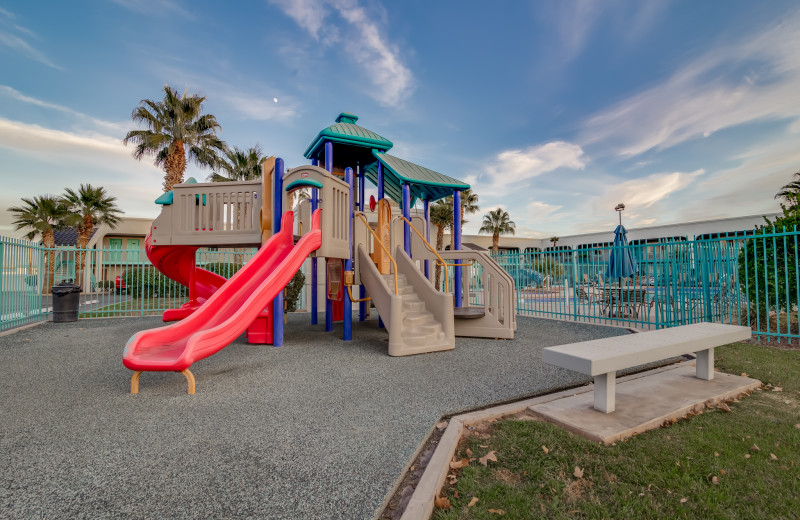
pixel 620 207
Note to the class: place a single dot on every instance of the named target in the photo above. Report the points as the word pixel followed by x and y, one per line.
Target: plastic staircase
pixel 419 319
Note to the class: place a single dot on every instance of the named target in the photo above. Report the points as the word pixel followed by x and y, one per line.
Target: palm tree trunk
pixel 48 239
pixel 84 234
pixel 439 244
pixel 495 242
pixel 175 165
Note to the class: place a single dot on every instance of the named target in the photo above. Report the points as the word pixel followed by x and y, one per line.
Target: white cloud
pixel 644 192
pixel 757 79
pixel 23 48
pixel 380 60
pixel 154 7
pixel 541 211
pixel 19 96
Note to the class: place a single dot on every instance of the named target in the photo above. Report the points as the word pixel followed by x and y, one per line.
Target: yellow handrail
pixel 440 260
pixel 356 300
pixel 378 241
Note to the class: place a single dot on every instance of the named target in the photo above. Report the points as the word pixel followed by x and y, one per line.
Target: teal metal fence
pixel 114 282
pixel 744 278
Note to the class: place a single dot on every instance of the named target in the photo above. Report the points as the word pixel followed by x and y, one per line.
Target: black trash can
pixel 66 302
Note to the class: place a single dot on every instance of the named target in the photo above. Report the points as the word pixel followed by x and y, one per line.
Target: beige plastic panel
pixel 335 205
pixel 499 295
pixel 230 215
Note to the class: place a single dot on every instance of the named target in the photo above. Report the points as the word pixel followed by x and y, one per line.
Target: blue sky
pixel 555 111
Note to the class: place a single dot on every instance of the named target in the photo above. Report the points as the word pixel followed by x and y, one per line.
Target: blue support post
pixel 457 245
pixel 314 274
pixel 328 301
pixel 348 263
pixel 362 292
pixel 407 214
pixel 277 213
pixel 426 208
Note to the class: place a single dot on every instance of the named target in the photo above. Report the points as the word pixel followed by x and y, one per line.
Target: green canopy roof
pixel 346 131
pixel 424 183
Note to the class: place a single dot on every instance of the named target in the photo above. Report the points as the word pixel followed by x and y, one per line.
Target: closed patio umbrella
pixel 621 263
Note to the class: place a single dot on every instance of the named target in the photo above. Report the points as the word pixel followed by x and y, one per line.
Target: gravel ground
pixel 320 428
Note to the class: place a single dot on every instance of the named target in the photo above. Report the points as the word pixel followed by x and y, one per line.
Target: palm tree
pixel 790 192
pixel 239 165
pixel 469 205
pixel 42 215
pixel 173 125
pixel 90 206
pixel 442 217
pixel 497 223
pixel 554 240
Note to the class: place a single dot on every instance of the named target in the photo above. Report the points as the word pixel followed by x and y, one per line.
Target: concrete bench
pixel 602 358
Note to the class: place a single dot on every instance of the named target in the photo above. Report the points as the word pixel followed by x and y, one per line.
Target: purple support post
pixel 277 213
pixel 380 180
pixel 348 263
pixel 362 306
pixel 426 208
pixel 328 301
pixel 457 245
pixel 407 214
pixel 314 204
pixel 380 196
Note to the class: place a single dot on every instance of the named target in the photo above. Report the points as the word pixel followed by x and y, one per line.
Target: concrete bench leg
pixel 605 389
pixel 705 364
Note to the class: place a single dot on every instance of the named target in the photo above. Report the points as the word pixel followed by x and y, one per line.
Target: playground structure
pixel 393 264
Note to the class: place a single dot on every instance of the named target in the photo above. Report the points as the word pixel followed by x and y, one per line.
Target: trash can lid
pixel 65 288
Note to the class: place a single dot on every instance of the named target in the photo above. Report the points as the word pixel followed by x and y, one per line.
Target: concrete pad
pixel 643 403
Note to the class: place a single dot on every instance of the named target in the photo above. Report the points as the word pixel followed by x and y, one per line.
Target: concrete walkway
pixel 320 428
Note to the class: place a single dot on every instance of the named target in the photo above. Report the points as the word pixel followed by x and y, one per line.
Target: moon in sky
pixel 275 99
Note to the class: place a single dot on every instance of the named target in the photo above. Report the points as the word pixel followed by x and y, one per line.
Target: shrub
pixel 775 258
pixel 226 269
pixel 148 282
pixel 293 290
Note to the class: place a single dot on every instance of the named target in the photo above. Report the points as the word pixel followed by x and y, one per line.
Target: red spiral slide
pixel 178 263
pixel 228 311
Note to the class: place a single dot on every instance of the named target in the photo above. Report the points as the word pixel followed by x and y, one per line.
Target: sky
pixel 555 111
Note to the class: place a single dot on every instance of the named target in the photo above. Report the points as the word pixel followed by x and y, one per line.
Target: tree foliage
pixel 497 222
pixel 239 165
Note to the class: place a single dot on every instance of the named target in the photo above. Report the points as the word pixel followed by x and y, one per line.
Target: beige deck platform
pixel 643 403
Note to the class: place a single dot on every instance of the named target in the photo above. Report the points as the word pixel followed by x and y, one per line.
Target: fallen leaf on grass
pixel 497 511
pixel 578 472
pixel 441 425
pixel 773 456
pixel 744 374
pixel 442 503
pixel 797 426
pixel 722 472
pixel 473 501
pixel 716 454
pixel 469 452
pixel 754 448
pixel 483 445
pixel 777 389
pixel 684 500
pixel 715 479
pixel 545 450
pixel 747 455
pixel 486 458
pixel 724 407
pixel 459 464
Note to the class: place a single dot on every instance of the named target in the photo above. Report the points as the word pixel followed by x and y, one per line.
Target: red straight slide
pixel 177 263
pixel 230 310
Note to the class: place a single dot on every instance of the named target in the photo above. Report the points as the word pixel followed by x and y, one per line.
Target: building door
pixel 133 250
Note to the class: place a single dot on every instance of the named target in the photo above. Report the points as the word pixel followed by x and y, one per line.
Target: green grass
pixel 650 475
pixel 146 306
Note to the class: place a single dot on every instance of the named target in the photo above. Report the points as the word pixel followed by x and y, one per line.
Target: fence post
pixel 705 285
pixel 575 299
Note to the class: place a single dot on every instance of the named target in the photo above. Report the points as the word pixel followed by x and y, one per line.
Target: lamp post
pixel 619 209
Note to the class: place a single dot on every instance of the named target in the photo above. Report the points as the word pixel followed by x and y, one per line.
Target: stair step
pixel 410 305
pixel 416 319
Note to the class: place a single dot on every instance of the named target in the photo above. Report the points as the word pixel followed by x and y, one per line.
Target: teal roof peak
pixel 346 132
pixel 347 117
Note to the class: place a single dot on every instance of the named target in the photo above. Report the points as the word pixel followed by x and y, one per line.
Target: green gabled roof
pixel 346 131
pixel 424 183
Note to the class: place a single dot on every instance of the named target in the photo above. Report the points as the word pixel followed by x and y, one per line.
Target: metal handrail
pixel 440 260
pixel 378 241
